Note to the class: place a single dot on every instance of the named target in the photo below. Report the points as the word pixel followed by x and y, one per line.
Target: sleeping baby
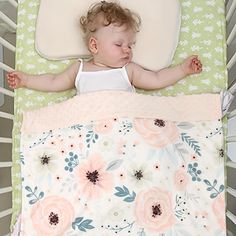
pixel 110 34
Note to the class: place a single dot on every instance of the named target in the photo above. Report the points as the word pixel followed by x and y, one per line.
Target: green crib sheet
pixel 202 33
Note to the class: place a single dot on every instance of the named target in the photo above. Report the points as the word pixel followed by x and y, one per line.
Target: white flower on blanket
pixel 216 150
pixel 116 220
pixel 45 160
pixel 116 213
pixel 52 216
pixel 106 144
pixel 139 174
pixel 93 178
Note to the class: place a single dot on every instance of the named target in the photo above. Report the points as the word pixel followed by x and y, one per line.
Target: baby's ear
pixel 93 46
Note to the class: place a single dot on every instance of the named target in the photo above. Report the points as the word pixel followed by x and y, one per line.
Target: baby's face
pixel 115 45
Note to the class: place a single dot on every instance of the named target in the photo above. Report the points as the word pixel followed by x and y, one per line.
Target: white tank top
pixel 113 79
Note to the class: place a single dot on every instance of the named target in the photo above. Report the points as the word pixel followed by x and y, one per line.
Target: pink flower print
pixel 52 216
pixel 153 210
pixel 104 126
pixel 93 177
pixel 181 179
pixel 218 207
pixel 158 133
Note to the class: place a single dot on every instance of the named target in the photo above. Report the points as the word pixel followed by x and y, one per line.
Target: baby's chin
pixel 121 63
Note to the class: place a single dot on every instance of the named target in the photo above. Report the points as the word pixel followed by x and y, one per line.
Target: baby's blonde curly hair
pixel 105 13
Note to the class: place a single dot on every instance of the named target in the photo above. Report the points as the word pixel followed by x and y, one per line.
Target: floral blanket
pixel 116 163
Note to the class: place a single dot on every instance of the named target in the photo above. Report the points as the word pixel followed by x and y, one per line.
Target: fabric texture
pixel 158 37
pixel 123 175
pixel 108 104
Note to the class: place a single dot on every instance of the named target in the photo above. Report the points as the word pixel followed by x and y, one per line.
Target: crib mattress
pixel 202 33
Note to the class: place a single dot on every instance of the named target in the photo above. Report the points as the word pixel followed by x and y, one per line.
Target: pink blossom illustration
pixel 158 133
pixel 181 179
pixel 94 180
pixel 153 210
pixel 52 216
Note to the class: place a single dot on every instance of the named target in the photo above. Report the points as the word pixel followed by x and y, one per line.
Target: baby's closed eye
pixel 118 44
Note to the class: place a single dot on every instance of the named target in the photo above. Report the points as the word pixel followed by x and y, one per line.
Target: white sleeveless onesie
pixel 112 79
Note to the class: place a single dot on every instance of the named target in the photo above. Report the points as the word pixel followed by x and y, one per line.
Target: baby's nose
pixel 126 49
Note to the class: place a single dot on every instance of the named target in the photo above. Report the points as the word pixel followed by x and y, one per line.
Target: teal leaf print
pixel 181 211
pixel 91 137
pixel 212 187
pixel 222 187
pixel 71 162
pixel 77 127
pixel 81 224
pixel 191 142
pixel 114 164
pixel 22 160
pixel 124 192
pixel 33 194
pixel 194 172
pixel 185 125
pixel 130 199
pixel 141 232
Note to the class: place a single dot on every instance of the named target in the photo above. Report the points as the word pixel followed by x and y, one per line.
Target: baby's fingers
pixel 11 80
pixel 11 74
pixel 196 65
pixel 11 84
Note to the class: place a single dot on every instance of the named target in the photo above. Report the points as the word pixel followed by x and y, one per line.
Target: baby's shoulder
pixel 131 67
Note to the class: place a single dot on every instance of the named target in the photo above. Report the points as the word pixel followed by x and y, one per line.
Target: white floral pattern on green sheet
pixel 202 33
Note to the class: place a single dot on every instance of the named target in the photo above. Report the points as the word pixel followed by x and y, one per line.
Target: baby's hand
pixel 16 79
pixel 192 65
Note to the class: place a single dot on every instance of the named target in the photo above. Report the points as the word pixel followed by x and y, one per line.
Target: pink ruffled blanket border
pixel 110 104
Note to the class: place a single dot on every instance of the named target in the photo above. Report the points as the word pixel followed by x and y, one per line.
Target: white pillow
pixel 58 33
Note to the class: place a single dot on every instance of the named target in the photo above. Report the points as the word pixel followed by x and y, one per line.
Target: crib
pixel 7 54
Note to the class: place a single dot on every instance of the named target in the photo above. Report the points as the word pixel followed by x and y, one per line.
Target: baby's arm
pixel 145 79
pixel 44 82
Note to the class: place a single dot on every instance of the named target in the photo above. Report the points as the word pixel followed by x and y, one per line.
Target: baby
pixel 110 32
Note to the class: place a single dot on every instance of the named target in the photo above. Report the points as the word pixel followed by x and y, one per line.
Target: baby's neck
pixel 99 64
pixel 93 65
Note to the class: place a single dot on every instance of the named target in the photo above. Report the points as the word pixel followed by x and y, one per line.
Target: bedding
pixel 158 35
pixel 117 167
pixel 202 32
